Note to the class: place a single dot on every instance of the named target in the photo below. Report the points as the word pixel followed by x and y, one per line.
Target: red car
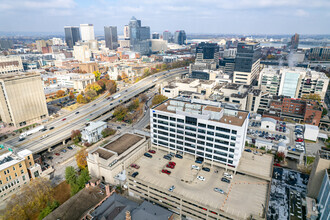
pixel 57 154
pixel 166 171
pixel 299 140
pixel 152 151
pixel 277 164
pixel 63 119
pixel 135 166
pixel 170 166
pixel 172 163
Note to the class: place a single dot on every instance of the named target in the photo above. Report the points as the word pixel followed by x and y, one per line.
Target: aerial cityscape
pixel 124 110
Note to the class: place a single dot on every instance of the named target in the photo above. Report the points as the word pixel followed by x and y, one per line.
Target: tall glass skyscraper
pixel 139 35
pixel 111 37
pixel 180 37
pixel 167 36
pixel 72 35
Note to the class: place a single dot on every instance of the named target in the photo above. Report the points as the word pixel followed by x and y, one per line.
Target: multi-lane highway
pixel 62 127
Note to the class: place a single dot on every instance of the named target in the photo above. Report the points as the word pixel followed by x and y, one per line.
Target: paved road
pixel 73 121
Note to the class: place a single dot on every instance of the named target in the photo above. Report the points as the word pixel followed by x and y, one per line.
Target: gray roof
pixel 148 211
pixel 269 119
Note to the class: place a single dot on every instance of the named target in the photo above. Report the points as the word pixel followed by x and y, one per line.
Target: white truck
pixel 32 131
pixel 116 96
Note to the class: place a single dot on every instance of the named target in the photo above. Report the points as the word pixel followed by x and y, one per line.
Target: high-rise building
pixel 323 200
pixel 319 53
pixel 293 44
pixel 72 35
pixel 203 130
pixel 82 53
pixel 139 36
pixel 22 99
pixel 111 37
pixel 180 37
pixel 126 32
pixel 87 32
pixel 6 44
pixel 155 35
pixel 167 36
pixel 247 63
pixel 10 64
pixel 207 53
pixel 57 41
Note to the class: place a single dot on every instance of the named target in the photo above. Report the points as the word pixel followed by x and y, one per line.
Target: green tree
pixel 324 112
pixel 75 136
pixel 71 95
pixel 70 175
pixel 91 94
pixel 107 132
pixel 158 99
pixel 83 178
pixel 120 113
pixel 49 208
pixel 134 104
pixel 164 66
pixel 111 86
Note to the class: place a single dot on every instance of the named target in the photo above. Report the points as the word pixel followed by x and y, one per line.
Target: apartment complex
pixel 293 82
pixel 209 131
pixel 247 63
pixel 22 99
pixel 15 171
pixel 10 64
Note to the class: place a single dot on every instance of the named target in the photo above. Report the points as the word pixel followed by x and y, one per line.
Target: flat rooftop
pixel 124 142
pixel 104 154
pixel 245 194
pixel 172 106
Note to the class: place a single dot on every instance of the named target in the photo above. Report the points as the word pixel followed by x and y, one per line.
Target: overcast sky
pixel 194 16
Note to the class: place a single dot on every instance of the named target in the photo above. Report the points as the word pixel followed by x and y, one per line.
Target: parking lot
pixel 245 195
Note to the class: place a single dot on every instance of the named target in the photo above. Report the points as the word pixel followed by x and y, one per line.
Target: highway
pixel 77 119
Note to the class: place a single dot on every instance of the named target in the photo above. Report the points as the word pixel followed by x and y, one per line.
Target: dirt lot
pixel 62 192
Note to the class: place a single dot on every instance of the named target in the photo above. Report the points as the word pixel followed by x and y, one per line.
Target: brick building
pixel 307 111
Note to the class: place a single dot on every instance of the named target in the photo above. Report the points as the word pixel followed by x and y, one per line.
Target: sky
pixel 193 16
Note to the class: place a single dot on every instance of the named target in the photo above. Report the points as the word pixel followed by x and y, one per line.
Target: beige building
pixel 158 45
pixel 22 99
pixel 10 64
pixel 88 67
pixel 40 44
pixel 82 53
pixel 321 163
pixel 109 162
pixel 15 171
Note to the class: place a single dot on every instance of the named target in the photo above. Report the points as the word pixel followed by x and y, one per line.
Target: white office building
pixel 87 32
pixel 208 131
pixel 93 132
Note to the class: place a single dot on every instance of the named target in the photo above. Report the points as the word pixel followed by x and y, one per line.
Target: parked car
pixel 171 188
pixel 206 169
pixel 172 163
pixel 77 113
pixel 223 179
pixel 198 161
pixel 57 154
pixel 201 178
pixel 135 166
pixel 178 156
pixel 166 172
pixel 248 150
pixel 51 128
pixel 227 175
pixel 219 190
pixel 135 174
pixel 170 166
pixel 167 157
pixel 147 155
pixel 195 167
pixel 63 119
pixel 70 148
pixel 299 140
pixel 277 164
pixel 63 151
pixel 50 158
pixel 152 151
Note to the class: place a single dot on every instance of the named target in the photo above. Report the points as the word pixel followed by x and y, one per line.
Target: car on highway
pixel 70 148
pixel 219 190
pixel 51 128
pixel 135 174
pixel 44 129
pixel 223 179
pixel 44 136
pixel 77 113
pixel 63 119
pixel 147 155
pixel 94 105
pixel 63 151
pixel 152 151
pixel 201 178
pixel 118 127
pixel 206 169
pixel 166 172
pixel 21 139
pixel 57 154
pixel 135 166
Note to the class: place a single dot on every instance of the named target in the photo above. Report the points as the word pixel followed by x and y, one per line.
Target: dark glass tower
pixel 111 37
pixel 180 37
pixel 247 54
pixel 72 35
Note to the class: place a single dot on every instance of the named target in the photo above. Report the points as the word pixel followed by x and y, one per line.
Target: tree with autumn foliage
pixel 279 156
pixel 97 75
pixel 95 87
pixel 314 97
pixel 81 158
pixel 120 113
pixel 111 86
pixel 71 95
pixel 60 93
pixel 31 199
pixel 75 136
pixel 81 99
pixel 158 99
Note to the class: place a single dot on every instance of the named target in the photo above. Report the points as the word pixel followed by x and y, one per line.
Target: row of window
pixel 8 171
pixel 191 122
pixel 9 185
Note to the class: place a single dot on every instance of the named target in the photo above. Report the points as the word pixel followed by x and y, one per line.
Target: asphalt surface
pixel 74 121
